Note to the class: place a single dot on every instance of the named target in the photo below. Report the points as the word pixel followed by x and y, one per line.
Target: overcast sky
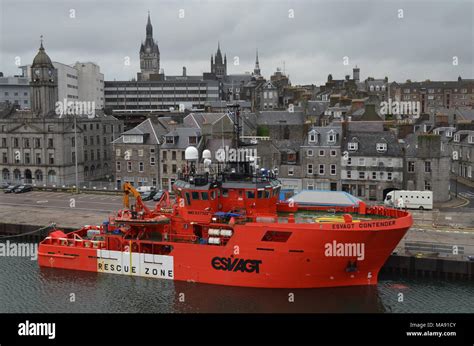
pixel 419 46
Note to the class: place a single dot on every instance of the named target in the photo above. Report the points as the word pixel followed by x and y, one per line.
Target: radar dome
pixel 206 154
pixel 191 153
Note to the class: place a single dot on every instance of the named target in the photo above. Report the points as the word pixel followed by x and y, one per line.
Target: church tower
pixel 44 84
pixel 219 65
pixel 149 54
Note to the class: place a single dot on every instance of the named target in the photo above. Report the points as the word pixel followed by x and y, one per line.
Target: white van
pixel 142 189
pixel 410 199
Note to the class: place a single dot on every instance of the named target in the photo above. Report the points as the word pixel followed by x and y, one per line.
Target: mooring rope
pixel 27 233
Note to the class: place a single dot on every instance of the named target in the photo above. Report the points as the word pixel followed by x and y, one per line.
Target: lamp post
pixel 76 154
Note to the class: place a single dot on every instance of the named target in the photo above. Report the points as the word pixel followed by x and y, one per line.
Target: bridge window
pixel 195 195
pixel 225 193
pixel 188 199
pixel 204 196
pixel 250 194
pixel 276 236
pixel 267 194
pixel 260 194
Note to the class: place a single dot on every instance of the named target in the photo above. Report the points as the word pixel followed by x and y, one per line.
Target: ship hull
pixel 310 258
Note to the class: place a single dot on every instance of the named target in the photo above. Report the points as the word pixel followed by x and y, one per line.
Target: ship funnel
pixel 191 154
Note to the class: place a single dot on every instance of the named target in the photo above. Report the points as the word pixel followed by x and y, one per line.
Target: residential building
pixel 137 154
pixel 371 164
pixel 321 158
pixel 172 159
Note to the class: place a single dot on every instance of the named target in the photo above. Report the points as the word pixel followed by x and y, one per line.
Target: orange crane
pixel 140 206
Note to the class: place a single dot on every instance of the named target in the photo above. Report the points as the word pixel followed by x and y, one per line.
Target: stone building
pixel 371 164
pixel 172 160
pixel 42 147
pixel 427 165
pixel 137 154
pixel 321 158
pixel 462 154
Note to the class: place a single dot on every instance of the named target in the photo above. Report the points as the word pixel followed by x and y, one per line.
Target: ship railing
pixel 76 242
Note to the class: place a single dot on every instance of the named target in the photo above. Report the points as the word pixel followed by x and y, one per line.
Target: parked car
pixel 10 188
pixel 148 195
pixel 23 188
pixel 4 185
pixel 158 195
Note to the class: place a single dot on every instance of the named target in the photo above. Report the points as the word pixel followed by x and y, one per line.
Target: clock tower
pixel 44 84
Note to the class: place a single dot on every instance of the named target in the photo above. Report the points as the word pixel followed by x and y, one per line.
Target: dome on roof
pixel 41 59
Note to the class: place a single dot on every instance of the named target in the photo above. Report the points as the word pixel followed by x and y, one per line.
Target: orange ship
pixel 235 232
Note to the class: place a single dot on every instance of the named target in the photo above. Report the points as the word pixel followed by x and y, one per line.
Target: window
pixel 333 169
pixel 361 161
pixel 250 194
pixel 381 147
pixel 427 185
pixel 349 161
pixel 129 166
pixel 390 162
pixel 333 152
pixel 4 158
pixel 51 158
pixel 427 166
pixel 309 169
pixel 352 146
pixel 321 153
pixel 291 170
pixel 381 175
pixel 192 140
pixel 312 137
pixel 411 166
pixel 173 168
pixel 85 140
pixel 331 138
pixel 173 155
pixel 38 159
pixel 26 143
pixel 118 166
pixel 374 175
pixel 349 174
pixel 37 142
pixel 321 169
pixel 389 175
pixel 152 161
pixel 140 152
pixel 92 140
pixel 165 168
pixel 169 139
pixel 204 196
pixel 73 157
pixel 456 137
pixel 50 143
pixel 309 152
pixel 361 175
pixel 165 155
pixel 140 167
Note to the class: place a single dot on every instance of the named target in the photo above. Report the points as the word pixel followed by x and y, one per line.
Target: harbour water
pixel 25 288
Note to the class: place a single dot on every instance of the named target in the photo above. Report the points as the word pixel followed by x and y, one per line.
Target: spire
pixel 149 27
pixel 256 70
pixel 41 40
